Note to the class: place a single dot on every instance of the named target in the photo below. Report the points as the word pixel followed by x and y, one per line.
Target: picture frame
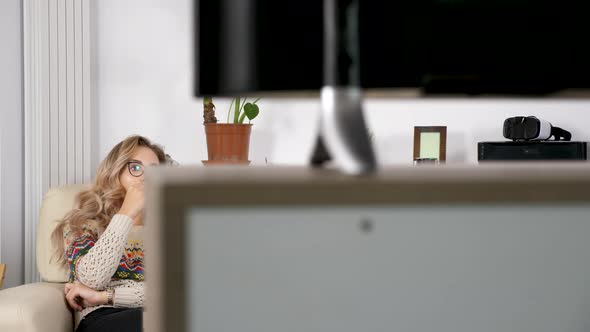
pixel 430 142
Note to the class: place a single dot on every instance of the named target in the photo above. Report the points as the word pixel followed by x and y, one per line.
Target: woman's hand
pixel 79 296
pixel 134 201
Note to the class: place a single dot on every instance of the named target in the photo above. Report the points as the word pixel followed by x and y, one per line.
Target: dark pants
pixel 112 320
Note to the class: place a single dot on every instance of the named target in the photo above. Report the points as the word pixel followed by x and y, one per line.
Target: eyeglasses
pixel 135 168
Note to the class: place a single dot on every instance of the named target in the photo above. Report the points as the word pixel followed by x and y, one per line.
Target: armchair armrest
pixel 35 307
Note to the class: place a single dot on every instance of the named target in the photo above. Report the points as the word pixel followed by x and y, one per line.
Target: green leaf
pixel 251 110
pixel 242 117
pixel 242 106
pixel 237 110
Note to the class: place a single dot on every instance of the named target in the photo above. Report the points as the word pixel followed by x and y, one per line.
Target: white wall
pixel 144 82
pixel 11 141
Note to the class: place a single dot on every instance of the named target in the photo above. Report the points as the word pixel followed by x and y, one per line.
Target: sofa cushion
pixel 56 203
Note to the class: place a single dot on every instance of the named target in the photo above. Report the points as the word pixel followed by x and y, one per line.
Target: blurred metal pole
pixel 343 133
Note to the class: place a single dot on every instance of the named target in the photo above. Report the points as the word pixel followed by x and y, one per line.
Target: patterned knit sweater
pixel 113 259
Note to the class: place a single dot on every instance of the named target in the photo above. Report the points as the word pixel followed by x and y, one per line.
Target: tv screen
pixel 530 47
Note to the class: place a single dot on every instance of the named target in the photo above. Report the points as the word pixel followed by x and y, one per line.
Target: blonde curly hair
pixel 104 199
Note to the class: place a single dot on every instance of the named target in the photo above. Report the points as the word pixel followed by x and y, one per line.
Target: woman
pixel 100 241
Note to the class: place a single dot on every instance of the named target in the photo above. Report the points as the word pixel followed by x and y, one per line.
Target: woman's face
pixel 133 171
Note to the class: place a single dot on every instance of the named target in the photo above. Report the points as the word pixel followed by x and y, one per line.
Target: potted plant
pixel 229 143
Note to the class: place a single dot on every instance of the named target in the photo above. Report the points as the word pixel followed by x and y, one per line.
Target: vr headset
pixel 525 128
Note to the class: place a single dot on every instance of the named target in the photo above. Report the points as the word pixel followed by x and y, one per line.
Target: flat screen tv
pixel 471 47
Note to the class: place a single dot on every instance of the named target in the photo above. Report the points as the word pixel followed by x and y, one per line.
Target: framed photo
pixel 430 143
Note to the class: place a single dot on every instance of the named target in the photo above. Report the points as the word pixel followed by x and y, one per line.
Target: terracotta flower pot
pixel 228 142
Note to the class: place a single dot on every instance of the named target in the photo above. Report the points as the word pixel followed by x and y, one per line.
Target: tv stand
pixel 343 133
pixel 343 136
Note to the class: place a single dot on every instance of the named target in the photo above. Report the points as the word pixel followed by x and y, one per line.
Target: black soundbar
pixel 531 150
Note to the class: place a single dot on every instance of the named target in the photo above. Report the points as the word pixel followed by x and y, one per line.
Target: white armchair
pixel 41 306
